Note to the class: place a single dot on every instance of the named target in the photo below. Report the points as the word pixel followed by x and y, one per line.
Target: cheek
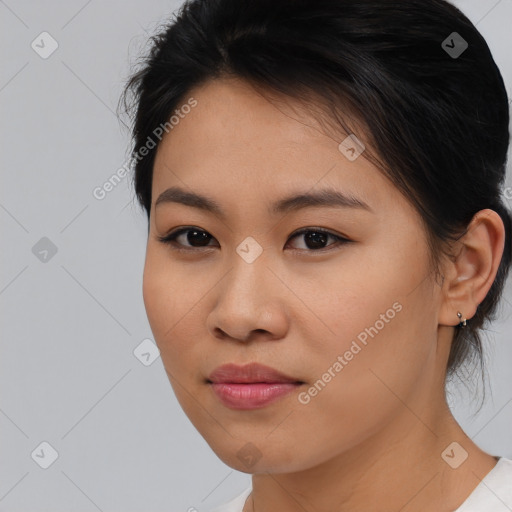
pixel 165 297
pixel 354 299
pixel 156 298
pixel 173 297
pixel 376 321
pixel 355 388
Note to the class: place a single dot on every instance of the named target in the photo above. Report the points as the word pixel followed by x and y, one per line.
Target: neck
pixel 399 468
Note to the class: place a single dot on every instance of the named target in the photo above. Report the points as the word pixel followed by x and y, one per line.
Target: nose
pixel 249 304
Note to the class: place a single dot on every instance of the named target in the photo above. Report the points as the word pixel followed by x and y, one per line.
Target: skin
pixel 372 439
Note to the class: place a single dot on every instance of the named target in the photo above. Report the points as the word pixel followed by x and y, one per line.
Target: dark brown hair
pixel 437 122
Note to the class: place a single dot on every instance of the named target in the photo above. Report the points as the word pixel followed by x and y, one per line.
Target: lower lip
pixel 252 396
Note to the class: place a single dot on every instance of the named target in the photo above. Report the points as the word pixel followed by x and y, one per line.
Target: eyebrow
pixel 321 198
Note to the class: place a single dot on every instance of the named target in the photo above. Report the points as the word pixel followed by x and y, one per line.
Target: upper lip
pixel 249 373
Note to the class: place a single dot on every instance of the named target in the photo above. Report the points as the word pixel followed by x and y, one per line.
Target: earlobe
pixel 473 269
pixel 462 321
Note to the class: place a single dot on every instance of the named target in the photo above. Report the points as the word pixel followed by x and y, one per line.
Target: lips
pixel 250 373
pixel 251 386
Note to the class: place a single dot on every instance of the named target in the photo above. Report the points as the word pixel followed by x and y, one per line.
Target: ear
pixel 469 275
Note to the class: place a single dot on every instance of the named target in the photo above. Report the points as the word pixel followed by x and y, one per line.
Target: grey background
pixel 71 323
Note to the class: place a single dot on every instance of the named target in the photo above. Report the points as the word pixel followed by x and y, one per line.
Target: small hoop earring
pixel 462 322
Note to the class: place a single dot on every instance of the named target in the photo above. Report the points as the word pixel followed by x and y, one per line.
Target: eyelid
pixel 170 237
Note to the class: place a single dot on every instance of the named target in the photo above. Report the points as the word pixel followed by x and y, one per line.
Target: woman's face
pixel 353 324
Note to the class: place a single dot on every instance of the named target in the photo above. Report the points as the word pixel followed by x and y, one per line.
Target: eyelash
pixel 170 239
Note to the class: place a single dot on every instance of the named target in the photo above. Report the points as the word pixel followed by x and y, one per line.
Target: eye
pixel 193 236
pixel 314 238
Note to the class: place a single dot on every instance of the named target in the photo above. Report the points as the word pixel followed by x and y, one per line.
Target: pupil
pixel 316 238
pixel 202 237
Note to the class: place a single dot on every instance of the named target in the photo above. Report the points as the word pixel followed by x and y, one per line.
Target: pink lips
pixel 251 386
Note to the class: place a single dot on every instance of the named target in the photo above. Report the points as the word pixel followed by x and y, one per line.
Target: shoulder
pixel 494 492
pixel 236 504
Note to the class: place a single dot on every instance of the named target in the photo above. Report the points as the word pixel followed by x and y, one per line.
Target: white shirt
pixel 493 493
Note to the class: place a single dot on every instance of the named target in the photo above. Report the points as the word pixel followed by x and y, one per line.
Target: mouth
pixel 251 386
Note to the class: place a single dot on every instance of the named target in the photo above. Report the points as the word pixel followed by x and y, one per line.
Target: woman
pixel 326 238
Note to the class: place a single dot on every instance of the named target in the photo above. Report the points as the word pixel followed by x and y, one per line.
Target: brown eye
pixel 315 239
pixel 190 238
pixel 194 236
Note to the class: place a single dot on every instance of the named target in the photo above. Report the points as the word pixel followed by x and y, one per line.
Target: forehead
pixel 236 140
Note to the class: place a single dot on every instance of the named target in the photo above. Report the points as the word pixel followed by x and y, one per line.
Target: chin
pixel 258 457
